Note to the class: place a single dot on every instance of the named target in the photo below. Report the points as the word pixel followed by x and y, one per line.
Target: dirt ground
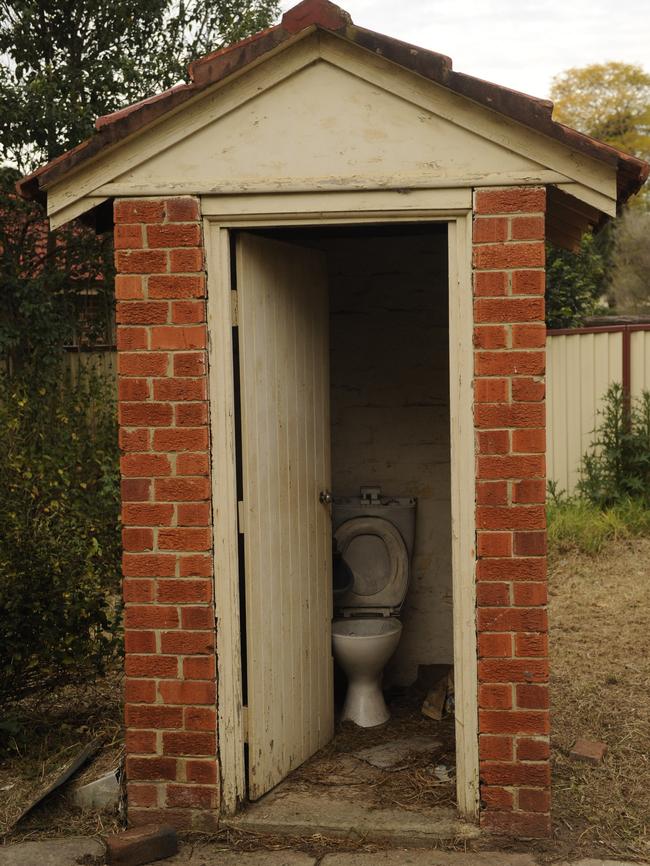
pixel 600 648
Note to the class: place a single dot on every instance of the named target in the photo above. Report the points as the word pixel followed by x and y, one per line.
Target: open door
pixel 284 371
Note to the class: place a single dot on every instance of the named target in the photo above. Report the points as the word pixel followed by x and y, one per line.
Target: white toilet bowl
pixel 363 646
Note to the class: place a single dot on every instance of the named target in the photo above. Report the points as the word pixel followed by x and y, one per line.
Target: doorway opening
pixel 375 417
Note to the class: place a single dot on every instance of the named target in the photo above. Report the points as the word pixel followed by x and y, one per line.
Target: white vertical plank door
pixel 284 365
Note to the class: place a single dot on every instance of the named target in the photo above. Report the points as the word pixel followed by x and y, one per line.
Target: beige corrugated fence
pixel 581 364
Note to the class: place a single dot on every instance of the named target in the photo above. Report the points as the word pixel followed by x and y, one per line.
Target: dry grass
pixel 49 730
pixel 600 663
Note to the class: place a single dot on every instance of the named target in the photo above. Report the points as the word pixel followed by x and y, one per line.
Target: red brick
pixel 189 364
pixel 188 692
pixel 510 200
pixel 185 261
pixel 185 539
pixel 494 544
pixel 496 466
pixel 493 442
pixel 184 439
pixel 192 464
pixel 491 492
pixel 142 312
pixel 203 772
pixel 513 671
pixel 497 697
pixel 532 697
pixel 492 594
pixel 145 414
pixel 495 748
pixel 200 667
pixel 139 211
pixel 511 722
pixel 511 569
pixel 178 337
pixel 530 441
pixel 197 617
pixel 589 751
pixel 184 591
pixel 533 750
pixel 490 284
pixel 189 743
pixel 491 390
pixel 526 390
pixel 174 235
pixel 195 566
pixel 510 517
pixel 148 565
pixel 528 282
pixel 188 312
pixel 150 616
pixel 179 819
pixel 140 742
pixel 494 645
pixel 140 642
pixel 200 719
pixel 147 514
pixel 151 769
pixel 515 363
pixel 128 287
pixel 529 491
pixel 151 666
pixel 131 339
pixel 145 465
pixel 513 619
pixel 490 337
pixel 502 773
pixel 155 717
pixel 492 416
pixel 182 209
pixel 191 796
pixel 135 590
pixel 143 364
pixel 530 594
pixel 128 236
pixel 142 795
pixel 490 229
pixel 509 255
pixel 187 642
pixel 531 645
pixel 179 389
pixel 508 310
pixel 194 514
pixel 529 336
pixel 523 825
pixel 182 489
pixel 527 228
pixel 493 797
pixel 140 691
pixel 141 261
pixel 191 415
pixel 534 800
pixel 173 286
pixel 530 543
pixel 133 440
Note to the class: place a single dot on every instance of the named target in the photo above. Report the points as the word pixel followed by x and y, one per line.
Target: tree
pixel 63 64
pixel 609 101
pixel 574 283
pixel 630 277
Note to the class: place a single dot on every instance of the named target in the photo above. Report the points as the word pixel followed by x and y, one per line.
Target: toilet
pixel 375 536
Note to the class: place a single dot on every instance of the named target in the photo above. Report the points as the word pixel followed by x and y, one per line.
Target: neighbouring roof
pixel 534 113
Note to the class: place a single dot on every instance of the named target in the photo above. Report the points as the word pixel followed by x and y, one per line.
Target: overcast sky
pixel 518 43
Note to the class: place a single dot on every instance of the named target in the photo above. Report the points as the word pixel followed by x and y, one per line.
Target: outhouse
pixel 330 278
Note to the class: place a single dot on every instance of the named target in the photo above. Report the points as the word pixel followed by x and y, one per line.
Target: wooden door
pixel 284 369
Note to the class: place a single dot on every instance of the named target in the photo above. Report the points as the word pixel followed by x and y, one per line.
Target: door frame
pixel 223 214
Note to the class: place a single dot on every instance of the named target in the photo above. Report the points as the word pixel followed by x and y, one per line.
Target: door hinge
pixel 234 309
pixel 244 723
pixel 240 517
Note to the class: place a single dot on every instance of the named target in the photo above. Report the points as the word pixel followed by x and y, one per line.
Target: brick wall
pixel 169 619
pixel 509 360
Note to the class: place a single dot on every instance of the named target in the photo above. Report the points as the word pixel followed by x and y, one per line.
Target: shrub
pixel 617 466
pixel 577 524
pixel 59 545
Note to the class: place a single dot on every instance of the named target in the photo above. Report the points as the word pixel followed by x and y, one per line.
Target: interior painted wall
pixel 390 411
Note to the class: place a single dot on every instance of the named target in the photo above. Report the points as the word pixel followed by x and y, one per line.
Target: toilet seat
pixel 376 553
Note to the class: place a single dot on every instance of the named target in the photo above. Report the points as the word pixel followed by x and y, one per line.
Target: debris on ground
pixel 141 845
pixel 589 751
pixel 437 684
pixel 395 754
pixel 101 793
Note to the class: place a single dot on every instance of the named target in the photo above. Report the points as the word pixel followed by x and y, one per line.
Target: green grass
pixel 577 525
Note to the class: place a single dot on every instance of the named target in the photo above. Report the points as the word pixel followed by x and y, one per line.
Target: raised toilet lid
pixel 375 551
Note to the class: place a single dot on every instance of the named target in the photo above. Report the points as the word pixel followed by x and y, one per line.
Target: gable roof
pixel 312 15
